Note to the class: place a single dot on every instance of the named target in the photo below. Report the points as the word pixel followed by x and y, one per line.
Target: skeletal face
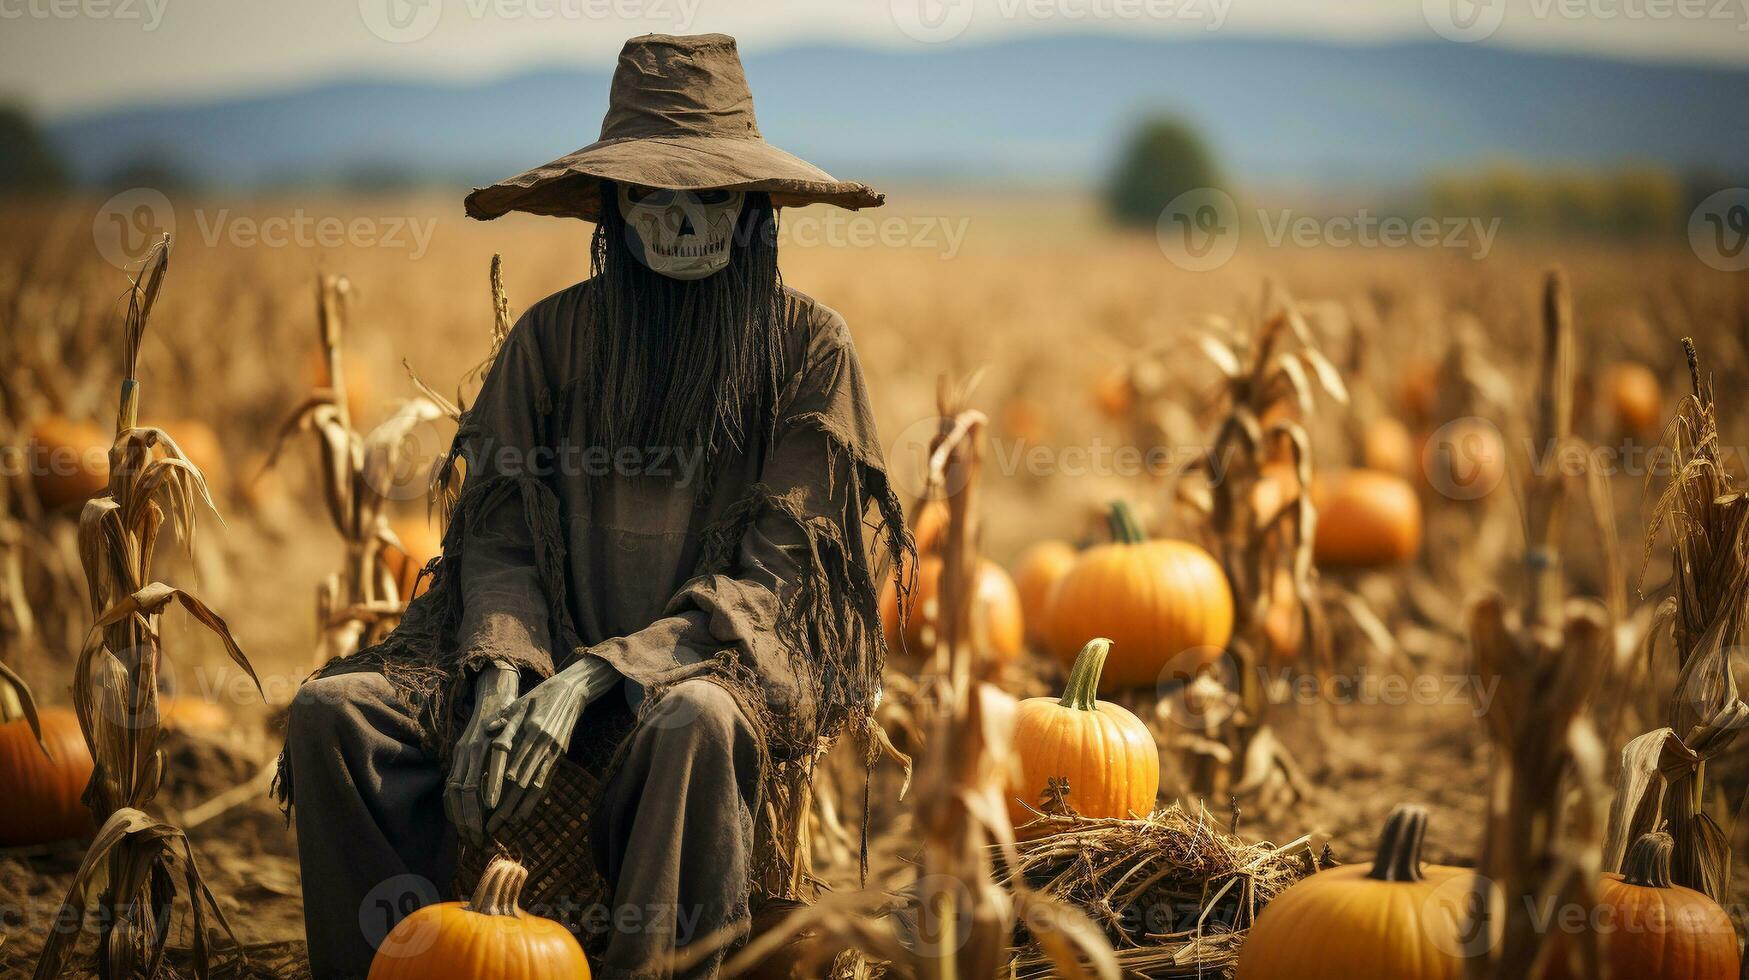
pixel 680 234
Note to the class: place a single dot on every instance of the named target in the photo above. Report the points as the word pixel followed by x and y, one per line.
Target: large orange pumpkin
pixel 1040 568
pixel 1635 398
pixel 1106 759
pixel 40 794
pixel 1652 929
pixel 998 618
pixel 69 461
pixel 1465 459
pixel 1165 604
pixel 487 937
pixel 1395 919
pixel 1366 518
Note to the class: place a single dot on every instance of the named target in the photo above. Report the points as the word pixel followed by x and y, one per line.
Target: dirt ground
pixel 1034 291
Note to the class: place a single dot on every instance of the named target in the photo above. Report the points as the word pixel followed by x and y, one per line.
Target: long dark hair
pixel 678 364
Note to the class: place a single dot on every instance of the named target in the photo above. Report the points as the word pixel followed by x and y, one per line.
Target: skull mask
pixel 680 234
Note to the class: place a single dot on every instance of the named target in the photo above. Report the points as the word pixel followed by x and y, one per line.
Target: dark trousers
pixel 374 844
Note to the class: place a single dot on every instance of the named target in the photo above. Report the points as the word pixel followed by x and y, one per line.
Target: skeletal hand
pixel 494 690
pixel 529 736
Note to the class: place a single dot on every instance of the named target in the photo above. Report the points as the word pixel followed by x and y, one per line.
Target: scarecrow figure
pixel 655 583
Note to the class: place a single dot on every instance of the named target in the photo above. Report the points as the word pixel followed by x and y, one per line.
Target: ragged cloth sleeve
pixel 783 607
pixel 505 611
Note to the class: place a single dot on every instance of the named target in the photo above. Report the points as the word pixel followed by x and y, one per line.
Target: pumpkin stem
pixel 1399 855
pixel 1648 862
pixel 1124 527
pixel 500 888
pixel 1083 688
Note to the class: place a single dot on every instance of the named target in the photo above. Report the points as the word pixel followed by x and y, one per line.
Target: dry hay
pixel 1175 893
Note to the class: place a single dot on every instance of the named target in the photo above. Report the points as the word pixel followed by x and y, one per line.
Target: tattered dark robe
pixel 749 570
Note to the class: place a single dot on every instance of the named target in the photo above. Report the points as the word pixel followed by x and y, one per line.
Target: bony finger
pixel 512 798
pixel 495 768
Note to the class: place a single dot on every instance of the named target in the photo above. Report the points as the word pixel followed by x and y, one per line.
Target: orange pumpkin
pixel 1165 604
pixel 1040 568
pixel 69 461
pixel 1395 919
pixel 1652 929
pixel 998 617
pixel 487 937
pixel 192 715
pixel 1465 459
pixel 421 542
pixel 1105 757
pixel 42 792
pixel 1635 398
pixel 1419 389
pixel 1114 395
pixel 1366 518
pixel 1388 447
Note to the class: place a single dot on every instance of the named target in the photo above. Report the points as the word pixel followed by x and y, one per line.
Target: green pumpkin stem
pixel 1399 855
pixel 1648 861
pixel 1082 691
pixel 500 888
pixel 1125 529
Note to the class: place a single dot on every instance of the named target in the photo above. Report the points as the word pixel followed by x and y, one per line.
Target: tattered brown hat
pixel 680 116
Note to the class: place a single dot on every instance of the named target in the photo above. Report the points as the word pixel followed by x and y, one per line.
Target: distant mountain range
pixel 1042 109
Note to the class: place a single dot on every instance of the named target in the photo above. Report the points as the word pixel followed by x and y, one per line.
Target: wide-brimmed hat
pixel 679 116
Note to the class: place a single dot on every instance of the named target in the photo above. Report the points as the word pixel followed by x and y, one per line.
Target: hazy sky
pixel 65 55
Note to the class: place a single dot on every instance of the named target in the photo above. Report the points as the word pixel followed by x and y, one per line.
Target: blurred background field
pixel 999 250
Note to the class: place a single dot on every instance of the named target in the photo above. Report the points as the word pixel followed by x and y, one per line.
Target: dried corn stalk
pixel 134 864
pixel 1268 379
pixel 360 603
pixel 1542 841
pixel 964 920
pixel 1663 772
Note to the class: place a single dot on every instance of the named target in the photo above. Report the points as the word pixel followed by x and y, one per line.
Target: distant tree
pixel 27 161
pixel 1163 159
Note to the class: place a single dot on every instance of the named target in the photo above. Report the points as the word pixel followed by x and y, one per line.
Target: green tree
pixel 27 161
pixel 1163 159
